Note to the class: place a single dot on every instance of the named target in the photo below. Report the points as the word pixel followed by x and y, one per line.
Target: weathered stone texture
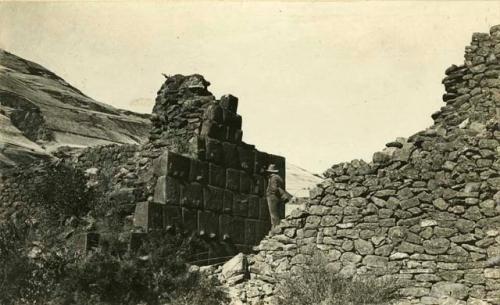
pixel 194 175
pixel 426 209
pixel 200 155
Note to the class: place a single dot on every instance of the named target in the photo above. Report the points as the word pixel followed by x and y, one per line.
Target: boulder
pixel 235 267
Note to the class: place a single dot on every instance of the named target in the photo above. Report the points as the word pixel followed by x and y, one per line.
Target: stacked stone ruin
pixel 425 211
pixel 212 183
pixel 195 175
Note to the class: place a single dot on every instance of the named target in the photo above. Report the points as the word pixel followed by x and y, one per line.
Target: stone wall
pixel 12 195
pixel 195 174
pixel 425 211
pixel 207 180
pixel 120 171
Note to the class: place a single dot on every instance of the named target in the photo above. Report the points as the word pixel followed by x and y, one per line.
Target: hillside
pixel 40 112
pixel 299 181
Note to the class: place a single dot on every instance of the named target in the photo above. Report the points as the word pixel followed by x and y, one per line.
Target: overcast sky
pixel 319 83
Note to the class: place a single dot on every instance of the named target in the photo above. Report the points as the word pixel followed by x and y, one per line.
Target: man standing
pixel 276 194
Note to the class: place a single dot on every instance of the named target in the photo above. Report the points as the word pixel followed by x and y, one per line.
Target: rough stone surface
pixel 40 112
pixel 195 174
pixel 426 209
pixel 236 266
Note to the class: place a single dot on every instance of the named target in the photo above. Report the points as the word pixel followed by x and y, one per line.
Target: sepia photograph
pixel 212 152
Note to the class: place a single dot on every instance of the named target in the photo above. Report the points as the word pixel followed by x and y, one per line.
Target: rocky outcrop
pixel 425 211
pixel 40 112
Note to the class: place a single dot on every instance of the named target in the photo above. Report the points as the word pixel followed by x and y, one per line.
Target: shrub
pixel 155 274
pixel 318 285
pixel 201 291
pixel 23 279
pixel 14 267
pixel 59 191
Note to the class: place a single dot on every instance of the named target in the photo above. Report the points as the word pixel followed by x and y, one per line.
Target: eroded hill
pixel 40 112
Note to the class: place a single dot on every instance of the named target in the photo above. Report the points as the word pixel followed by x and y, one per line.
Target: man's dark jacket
pixel 276 188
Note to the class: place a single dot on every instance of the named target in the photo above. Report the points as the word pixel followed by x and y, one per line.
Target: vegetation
pixel 317 285
pixel 40 265
pixel 61 191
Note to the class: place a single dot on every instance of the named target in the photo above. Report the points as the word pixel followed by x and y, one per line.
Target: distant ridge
pixel 40 112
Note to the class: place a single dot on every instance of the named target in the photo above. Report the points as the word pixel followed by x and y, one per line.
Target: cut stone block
pixel 253 206
pixel 229 102
pixel 189 220
pixel 231 119
pixel 246 157
pixel 226 227
pixel 136 240
pixel 217 175
pixel 212 129
pixel 167 191
pixel 197 146
pixel 172 217
pixel 262 230
pixel 229 134
pixel 264 209
pixel 215 151
pixel 240 205
pixel 227 202
pixel 171 164
pixel 208 224
pixel 86 242
pixel 233 179
pixel 232 229
pixel 246 183
pixel 219 252
pixel 230 155
pixel 261 162
pixel 259 185
pixel 214 112
pixel 148 216
pixel 238 136
pixel 192 195
pixel 250 232
pixel 214 197
pixel 198 171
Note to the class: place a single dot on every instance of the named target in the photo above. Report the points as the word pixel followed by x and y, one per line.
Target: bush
pixel 318 285
pixel 155 274
pixel 14 268
pixel 23 279
pixel 201 291
pixel 38 267
pixel 58 191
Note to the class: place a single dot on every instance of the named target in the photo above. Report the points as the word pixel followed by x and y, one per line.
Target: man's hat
pixel 272 169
